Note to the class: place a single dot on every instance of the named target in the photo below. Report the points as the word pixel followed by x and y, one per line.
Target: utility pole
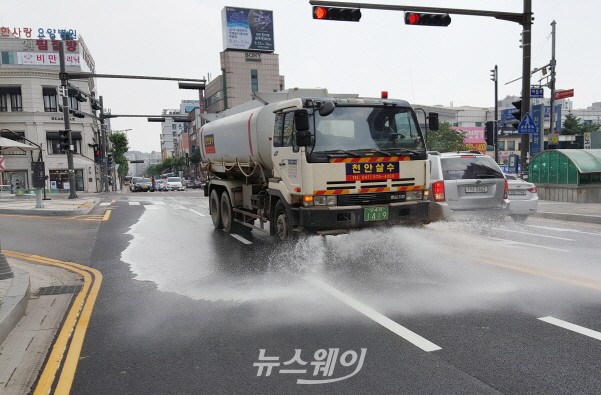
pixel 526 64
pixel 66 115
pixel 552 85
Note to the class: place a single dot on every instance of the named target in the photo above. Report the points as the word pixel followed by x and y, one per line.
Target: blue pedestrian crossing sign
pixel 527 125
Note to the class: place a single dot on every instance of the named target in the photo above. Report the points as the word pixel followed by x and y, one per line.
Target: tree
pixel 573 126
pixel 119 142
pixel 445 139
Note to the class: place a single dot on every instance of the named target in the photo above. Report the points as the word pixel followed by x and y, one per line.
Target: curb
pixel 14 303
pixel 83 209
pixel 591 219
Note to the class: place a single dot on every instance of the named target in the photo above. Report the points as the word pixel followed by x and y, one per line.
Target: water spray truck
pixel 323 164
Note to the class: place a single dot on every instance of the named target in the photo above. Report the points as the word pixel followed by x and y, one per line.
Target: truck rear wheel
pixel 215 209
pixel 227 214
pixel 283 230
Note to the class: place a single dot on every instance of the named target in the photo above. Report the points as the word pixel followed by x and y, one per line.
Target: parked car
pixel 523 198
pixel 466 182
pixel 175 184
pixel 139 184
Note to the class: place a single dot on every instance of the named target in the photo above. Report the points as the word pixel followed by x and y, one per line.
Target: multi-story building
pixel 30 112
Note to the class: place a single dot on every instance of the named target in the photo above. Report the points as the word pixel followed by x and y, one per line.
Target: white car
pixel 523 198
pixel 175 184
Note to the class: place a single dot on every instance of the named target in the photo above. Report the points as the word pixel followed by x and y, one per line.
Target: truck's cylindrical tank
pixel 244 137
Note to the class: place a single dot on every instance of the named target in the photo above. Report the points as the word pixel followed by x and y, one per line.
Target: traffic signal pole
pixel 526 64
pixel 524 19
pixel 66 114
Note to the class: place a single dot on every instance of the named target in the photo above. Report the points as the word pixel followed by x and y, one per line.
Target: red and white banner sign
pixel 1 163
pixel 563 94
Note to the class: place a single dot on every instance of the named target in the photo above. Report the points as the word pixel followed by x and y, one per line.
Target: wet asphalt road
pixel 449 308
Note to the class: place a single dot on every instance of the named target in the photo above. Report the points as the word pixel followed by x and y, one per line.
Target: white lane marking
pixel 572 327
pixel 240 238
pixel 105 204
pixel 150 207
pixel 197 212
pixel 381 319
pixel 533 234
pixel 178 207
pixel 565 230
pixel 519 243
pixel 134 203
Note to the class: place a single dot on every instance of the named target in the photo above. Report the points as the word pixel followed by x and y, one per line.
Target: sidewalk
pixel 33 304
pixel 58 204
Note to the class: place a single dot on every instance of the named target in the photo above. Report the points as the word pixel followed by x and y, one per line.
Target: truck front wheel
pixel 215 209
pixel 283 230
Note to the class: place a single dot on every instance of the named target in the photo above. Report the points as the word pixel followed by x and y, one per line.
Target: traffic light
pixel 95 104
pixel 493 75
pixel 416 18
pixel 77 95
pixel 337 13
pixel 97 155
pixel 489 133
pixel 77 114
pixel 109 159
pixel 63 137
pixel 517 114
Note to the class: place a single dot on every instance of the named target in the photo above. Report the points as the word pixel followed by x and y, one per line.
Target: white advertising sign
pixel 588 137
pixel 45 59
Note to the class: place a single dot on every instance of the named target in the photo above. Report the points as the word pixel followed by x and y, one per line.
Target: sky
pixel 424 65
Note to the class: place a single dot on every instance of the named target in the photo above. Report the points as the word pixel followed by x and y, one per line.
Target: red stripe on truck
pixel 250 144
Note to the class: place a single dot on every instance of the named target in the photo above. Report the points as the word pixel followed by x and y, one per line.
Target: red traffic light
pixel 416 18
pixel 337 13
pixel 412 19
pixel 320 13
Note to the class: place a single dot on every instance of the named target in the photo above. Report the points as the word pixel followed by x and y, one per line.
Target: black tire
pixel 519 218
pixel 227 215
pixel 281 222
pixel 214 205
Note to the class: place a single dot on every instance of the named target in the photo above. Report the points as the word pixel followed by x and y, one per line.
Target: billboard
pixel 473 137
pixel 247 29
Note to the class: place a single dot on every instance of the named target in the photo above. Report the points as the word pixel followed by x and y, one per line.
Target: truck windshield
pixel 385 129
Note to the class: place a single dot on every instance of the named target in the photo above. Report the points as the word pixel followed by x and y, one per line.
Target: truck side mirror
pixel 304 138
pixel 433 121
pixel 301 120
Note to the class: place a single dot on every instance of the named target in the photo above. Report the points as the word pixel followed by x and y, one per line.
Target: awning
pixel 8 144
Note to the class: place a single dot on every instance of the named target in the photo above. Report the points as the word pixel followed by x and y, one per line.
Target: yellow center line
pixel 71 336
pixel 563 278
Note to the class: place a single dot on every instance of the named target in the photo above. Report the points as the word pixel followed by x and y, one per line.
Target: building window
pixel 73 103
pixel 478 124
pixel 510 145
pixel 12 95
pixel 59 179
pixel 53 143
pixel 8 57
pixel 49 99
pixel 501 145
pixel 254 80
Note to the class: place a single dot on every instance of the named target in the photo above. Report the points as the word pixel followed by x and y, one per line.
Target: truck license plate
pixel 375 213
pixel 481 189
